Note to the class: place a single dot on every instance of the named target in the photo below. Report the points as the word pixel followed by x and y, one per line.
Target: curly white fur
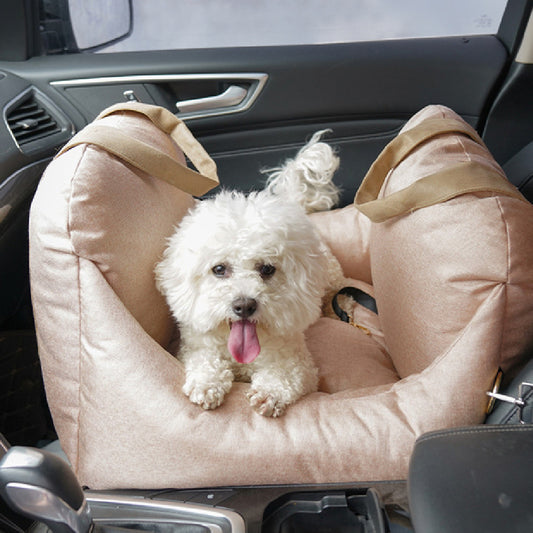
pixel 244 276
pixel 308 178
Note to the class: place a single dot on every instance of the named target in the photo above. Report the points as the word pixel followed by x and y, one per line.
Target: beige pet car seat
pixel 436 234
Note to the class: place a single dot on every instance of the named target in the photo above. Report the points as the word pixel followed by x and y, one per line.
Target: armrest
pixel 473 479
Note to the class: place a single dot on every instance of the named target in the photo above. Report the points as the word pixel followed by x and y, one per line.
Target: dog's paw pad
pixel 266 404
pixel 206 396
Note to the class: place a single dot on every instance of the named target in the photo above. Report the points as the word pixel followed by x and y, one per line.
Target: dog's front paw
pixel 267 403
pixel 208 396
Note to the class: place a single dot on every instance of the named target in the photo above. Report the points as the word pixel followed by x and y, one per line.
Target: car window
pixel 182 24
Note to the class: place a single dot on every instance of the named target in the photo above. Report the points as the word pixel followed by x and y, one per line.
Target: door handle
pixel 232 96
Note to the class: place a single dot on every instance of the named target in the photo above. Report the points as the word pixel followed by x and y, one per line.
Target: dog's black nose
pixel 244 307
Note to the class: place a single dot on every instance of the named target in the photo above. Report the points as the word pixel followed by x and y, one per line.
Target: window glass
pixel 181 24
pixel 99 12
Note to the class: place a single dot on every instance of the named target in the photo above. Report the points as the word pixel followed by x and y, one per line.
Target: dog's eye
pixel 220 271
pixel 267 271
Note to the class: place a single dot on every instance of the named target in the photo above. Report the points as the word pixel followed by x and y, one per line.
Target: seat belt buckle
pixel 520 402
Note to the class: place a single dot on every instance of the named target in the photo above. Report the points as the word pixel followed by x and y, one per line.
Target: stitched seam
pixel 507 273
pixel 80 355
pixel 69 231
pixel 513 411
pixel 460 141
pixel 473 431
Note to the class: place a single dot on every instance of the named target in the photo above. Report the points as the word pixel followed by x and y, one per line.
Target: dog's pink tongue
pixel 243 343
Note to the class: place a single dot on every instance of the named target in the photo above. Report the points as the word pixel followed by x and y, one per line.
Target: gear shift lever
pixel 39 484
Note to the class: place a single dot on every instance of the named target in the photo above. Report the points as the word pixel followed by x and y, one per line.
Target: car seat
pixel 450 273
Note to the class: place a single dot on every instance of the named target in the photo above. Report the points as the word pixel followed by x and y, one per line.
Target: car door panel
pixel 356 142
pixel 363 92
pixel 338 80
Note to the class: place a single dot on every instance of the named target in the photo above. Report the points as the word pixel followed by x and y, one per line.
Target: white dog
pixel 244 276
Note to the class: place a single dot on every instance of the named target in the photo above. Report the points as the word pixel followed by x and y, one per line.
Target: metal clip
pixel 519 402
pixel 366 331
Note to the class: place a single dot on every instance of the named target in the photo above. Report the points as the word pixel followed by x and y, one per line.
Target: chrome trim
pixel 231 97
pixel 123 522
pixel 44 505
pixel 22 457
pixel 199 513
pixel 257 81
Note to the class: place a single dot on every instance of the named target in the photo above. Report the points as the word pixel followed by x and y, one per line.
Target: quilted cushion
pixel 454 298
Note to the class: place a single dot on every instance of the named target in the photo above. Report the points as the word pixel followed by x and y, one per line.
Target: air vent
pixel 30 121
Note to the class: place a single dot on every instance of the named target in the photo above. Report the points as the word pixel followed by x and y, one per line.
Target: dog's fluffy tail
pixel 308 178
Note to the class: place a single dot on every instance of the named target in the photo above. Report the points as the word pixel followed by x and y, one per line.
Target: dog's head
pixel 242 262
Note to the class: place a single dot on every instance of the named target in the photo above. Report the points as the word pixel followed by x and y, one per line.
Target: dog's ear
pixel 172 277
pixel 305 267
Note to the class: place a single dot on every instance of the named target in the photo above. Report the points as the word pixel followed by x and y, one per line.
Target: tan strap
pixel 149 159
pixel 448 183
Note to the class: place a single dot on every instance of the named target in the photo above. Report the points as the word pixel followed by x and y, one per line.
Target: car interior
pixel 251 108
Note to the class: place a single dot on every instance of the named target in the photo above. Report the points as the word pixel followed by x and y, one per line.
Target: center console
pixel 276 509
pixel 38 484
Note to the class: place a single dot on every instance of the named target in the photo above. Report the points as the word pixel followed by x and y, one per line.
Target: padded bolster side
pixel 433 268
pixel 55 296
pixel 120 218
pixel 91 206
